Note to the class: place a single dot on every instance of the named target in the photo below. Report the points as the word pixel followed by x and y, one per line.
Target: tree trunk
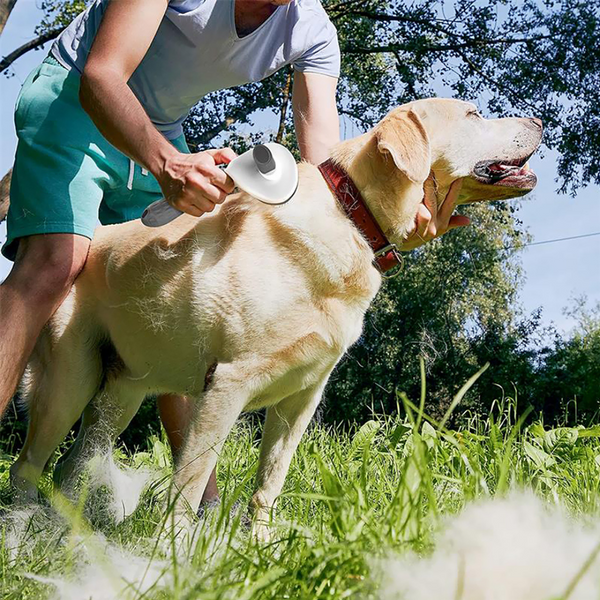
pixel 284 106
pixel 4 198
pixel 6 7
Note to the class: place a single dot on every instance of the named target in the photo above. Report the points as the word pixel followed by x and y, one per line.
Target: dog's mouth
pixel 506 173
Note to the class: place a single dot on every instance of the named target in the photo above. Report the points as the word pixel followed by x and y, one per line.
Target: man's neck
pixel 256 4
pixel 251 14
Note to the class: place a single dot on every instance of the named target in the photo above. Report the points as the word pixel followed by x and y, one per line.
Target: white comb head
pixel 268 172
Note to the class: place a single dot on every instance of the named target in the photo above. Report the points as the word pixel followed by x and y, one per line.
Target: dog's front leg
pixel 285 424
pixel 215 413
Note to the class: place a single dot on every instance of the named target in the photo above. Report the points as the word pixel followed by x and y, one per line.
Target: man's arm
pixel 315 115
pixel 192 183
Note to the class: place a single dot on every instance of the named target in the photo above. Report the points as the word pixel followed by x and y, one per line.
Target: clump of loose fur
pixel 124 485
pixel 517 548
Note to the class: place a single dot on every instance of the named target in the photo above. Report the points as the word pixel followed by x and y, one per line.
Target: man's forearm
pixel 122 120
pixel 316 138
pixel 317 131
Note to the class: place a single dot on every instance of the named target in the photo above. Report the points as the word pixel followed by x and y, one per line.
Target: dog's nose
pixel 537 122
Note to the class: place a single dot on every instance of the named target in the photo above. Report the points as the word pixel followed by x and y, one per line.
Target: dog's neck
pixel 325 244
pixel 353 204
pixel 390 196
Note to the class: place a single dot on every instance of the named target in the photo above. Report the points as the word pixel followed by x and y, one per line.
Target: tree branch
pixel 385 18
pixel 394 48
pixel 344 6
pixel 208 135
pixel 9 59
pixel 352 115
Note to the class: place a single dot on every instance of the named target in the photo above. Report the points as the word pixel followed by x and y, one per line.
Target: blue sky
pixel 555 273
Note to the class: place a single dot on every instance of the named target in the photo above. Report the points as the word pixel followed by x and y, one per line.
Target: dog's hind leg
pixel 64 374
pixel 105 417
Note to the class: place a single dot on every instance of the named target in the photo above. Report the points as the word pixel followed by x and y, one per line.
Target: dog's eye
pixel 474 113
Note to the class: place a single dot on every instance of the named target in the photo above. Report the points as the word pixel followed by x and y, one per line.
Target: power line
pixel 564 239
pixel 553 241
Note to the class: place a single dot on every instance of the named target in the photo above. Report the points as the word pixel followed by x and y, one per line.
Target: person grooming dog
pixel 100 134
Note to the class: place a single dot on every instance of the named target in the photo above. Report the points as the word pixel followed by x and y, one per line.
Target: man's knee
pixel 49 264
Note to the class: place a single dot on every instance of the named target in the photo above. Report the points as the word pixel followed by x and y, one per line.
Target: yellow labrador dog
pixel 270 297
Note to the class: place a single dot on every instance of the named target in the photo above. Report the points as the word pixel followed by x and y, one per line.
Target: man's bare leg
pixel 175 413
pixel 43 273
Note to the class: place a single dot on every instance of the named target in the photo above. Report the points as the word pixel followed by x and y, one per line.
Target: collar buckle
pixel 394 271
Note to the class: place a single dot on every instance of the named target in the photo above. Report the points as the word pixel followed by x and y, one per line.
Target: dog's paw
pixel 207 508
pixel 237 510
pixel 24 492
pixel 261 531
pixel 180 526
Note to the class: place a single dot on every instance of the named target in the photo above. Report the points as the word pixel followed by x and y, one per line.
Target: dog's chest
pixel 268 303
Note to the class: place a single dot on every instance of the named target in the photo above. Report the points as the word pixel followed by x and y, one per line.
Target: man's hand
pixel 193 183
pixel 432 220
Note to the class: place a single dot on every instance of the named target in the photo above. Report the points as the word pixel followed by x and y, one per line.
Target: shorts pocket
pixel 23 97
pixel 42 86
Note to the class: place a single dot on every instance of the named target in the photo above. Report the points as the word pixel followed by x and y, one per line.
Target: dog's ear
pixel 402 136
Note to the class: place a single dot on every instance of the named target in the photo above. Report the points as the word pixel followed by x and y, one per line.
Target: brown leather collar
pixel 387 255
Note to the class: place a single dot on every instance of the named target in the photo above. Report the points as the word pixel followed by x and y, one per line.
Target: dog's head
pixel 448 138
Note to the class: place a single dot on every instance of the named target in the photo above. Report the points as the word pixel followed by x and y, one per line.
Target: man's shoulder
pixel 312 11
pixel 311 7
pixel 317 45
pixel 314 5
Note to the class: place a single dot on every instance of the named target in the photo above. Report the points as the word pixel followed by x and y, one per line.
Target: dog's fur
pixel 273 296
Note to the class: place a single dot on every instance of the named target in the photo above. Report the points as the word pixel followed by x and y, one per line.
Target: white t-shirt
pixel 197 51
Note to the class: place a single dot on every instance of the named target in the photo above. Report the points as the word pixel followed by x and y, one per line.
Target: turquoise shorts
pixel 66 175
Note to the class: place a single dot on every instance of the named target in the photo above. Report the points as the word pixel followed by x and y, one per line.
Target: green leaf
pixel 366 434
pixel 541 459
pixel 397 434
pixel 561 436
pixel 428 435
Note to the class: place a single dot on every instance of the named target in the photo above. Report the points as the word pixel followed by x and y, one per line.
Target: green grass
pixel 350 498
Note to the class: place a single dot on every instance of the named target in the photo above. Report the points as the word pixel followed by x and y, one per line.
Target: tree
pixel 568 378
pixel 6 7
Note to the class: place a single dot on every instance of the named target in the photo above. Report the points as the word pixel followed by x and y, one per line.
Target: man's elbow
pixel 94 79
pixel 91 79
pixel 324 127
